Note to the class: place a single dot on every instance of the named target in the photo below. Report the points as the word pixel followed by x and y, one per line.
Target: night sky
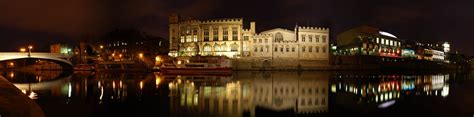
pixel 42 22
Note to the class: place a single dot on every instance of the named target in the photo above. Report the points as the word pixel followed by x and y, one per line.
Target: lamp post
pixel 29 50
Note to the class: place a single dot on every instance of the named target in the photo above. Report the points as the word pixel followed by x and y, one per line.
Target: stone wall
pixel 279 64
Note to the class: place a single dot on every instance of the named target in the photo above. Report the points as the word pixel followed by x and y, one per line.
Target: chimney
pixel 252 27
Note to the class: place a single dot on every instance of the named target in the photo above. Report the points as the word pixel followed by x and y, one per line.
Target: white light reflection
pixel 387 104
pixel 69 91
pixel 101 94
pixel 445 91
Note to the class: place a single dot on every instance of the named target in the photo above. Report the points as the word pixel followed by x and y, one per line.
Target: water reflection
pixel 240 94
pixel 384 90
pixel 276 91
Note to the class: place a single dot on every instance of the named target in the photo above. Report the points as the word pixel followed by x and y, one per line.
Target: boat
pixel 195 65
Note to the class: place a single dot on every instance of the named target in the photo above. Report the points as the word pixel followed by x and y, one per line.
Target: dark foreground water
pixel 395 94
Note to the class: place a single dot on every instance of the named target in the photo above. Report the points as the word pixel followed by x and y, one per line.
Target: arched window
pixel 317 49
pixel 278 37
pixel 190 48
pixel 310 49
pixel 303 49
pixel 234 47
pixel 217 48
pixel 207 48
pixel 224 47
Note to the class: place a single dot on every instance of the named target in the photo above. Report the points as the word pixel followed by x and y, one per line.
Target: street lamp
pixel 140 55
pixel 29 50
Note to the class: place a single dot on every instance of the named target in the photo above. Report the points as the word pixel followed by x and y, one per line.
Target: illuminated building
pixel 366 40
pixel 369 45
pixel 61 49
pixel 285 46
pixel 208 37
pixel 227 37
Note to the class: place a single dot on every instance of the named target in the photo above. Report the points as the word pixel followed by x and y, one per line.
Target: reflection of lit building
pixel 305 93
pixel 383 88
pixel 213 98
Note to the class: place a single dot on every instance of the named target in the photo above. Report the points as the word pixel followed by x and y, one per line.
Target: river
pixel 250 93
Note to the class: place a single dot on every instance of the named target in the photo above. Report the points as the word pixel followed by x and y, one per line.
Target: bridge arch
pixel 52 57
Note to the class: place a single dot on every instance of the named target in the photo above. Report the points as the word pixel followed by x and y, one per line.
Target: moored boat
pixel 198 65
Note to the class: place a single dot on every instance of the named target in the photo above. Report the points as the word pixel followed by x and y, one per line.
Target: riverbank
pixel 13 103
pixel 245 64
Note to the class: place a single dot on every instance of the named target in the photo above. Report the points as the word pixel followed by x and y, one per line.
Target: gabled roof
pixel 277 29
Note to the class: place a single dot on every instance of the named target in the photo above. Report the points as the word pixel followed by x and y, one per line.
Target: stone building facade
pixel 301 47
pixel 208 37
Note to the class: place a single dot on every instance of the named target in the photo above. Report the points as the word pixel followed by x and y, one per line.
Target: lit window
pixel 234 47
pixel 195 37
pixel 215 33
pixel 189 38
pixel 207 48
pixel 206 34
pixel 234 34
pixel 324 38
pixel 278 37
pixel 246 38
pixel 317 38
pixel 383 41
pixel 225 33
pixel 303 38
pixel 378 40
pixel 217 48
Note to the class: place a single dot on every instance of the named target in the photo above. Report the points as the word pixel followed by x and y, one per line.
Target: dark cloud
pixel 423 20
pixel 55 16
